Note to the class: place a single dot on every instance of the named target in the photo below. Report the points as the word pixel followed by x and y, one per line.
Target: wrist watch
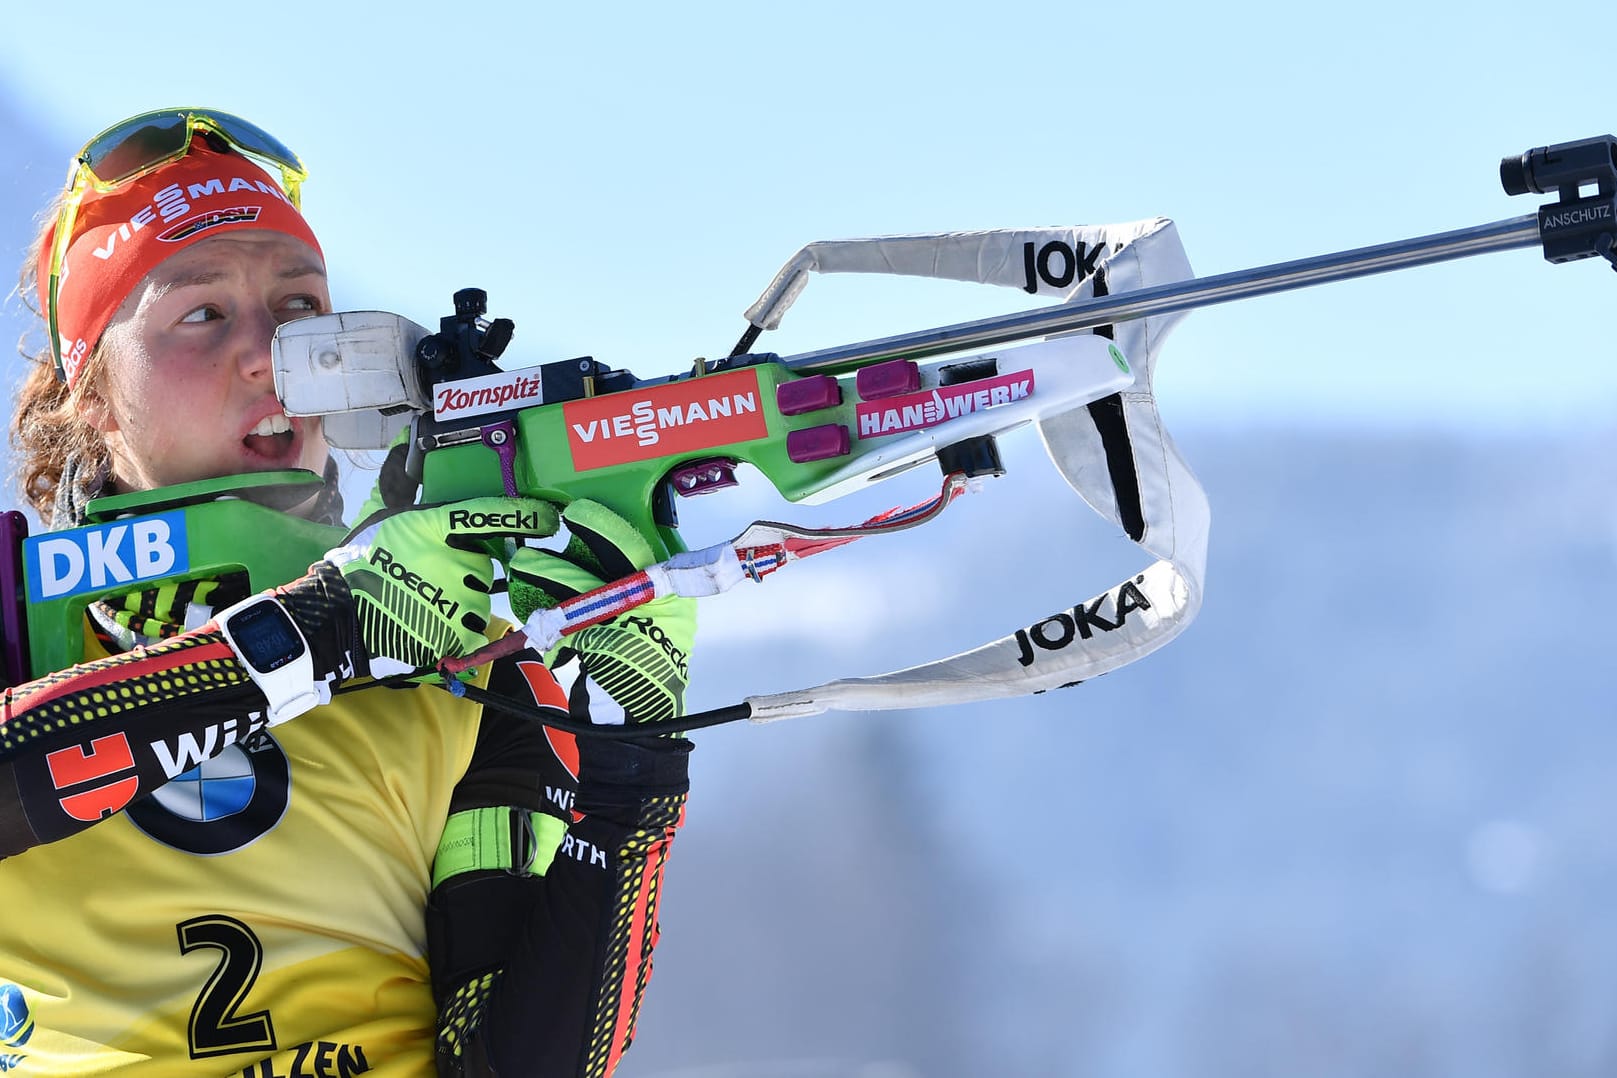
pixel 277 657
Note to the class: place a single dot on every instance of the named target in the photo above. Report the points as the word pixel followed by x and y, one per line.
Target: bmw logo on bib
pixel 223 804
pixel 16 1025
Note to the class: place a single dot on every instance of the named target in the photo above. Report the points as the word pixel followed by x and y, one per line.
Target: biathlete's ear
pixel 97 412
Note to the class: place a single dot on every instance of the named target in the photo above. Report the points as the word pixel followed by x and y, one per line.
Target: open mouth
pixel 272 437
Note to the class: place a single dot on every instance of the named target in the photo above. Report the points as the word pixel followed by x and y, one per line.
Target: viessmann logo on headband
pixel 174 202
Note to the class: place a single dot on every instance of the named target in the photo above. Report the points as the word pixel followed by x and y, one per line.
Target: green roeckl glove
pixel 639 658
pixel 421 576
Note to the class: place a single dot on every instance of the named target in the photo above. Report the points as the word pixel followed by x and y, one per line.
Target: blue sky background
pixel 625 180
pixel 1357 820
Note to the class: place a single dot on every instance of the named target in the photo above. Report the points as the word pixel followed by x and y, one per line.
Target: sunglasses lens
pixel 253 139
pixel 144 142
pixel 135 145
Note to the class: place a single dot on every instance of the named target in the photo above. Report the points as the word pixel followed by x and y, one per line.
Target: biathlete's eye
pixel 202 314
pixel 301 306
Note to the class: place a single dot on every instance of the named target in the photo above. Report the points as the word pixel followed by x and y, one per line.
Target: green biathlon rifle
pixel 817 425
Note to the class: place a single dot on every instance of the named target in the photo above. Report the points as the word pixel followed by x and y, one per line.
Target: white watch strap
pixel 290 688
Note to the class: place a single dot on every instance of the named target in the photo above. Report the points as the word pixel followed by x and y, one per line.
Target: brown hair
pixel 48 426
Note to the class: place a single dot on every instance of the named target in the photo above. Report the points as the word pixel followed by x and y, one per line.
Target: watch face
pixel 265 636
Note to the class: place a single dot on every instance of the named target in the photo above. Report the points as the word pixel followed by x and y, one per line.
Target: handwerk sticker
pixel 915 411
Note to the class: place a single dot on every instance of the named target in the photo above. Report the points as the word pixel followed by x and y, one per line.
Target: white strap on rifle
pixel 1164 508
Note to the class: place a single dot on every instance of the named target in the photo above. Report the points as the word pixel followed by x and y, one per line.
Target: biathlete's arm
pixel 79 745
pixel 539 968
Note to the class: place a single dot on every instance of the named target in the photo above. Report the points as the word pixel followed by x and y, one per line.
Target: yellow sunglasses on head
pixel 140 145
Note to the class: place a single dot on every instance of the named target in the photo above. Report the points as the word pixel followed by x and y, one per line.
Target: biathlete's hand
pixel 394 488
pixel 639 657
pixel 421 576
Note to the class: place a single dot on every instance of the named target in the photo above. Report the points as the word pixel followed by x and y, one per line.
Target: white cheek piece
pixel 277 657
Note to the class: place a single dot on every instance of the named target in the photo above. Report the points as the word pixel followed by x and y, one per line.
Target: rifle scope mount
pixel 466 344
pixel 1577 225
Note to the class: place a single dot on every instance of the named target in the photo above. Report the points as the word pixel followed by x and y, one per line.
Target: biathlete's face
pixel 187 390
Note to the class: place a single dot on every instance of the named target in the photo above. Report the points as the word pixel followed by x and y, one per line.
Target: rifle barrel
pixel 1179 295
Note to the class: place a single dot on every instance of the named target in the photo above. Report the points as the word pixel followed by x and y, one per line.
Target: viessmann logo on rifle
pixel 897 415
pixel 698 413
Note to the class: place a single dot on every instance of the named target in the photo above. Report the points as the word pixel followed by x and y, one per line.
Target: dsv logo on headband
pixel 235 215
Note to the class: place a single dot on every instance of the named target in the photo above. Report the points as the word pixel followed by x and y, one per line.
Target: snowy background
pixel 1373 834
